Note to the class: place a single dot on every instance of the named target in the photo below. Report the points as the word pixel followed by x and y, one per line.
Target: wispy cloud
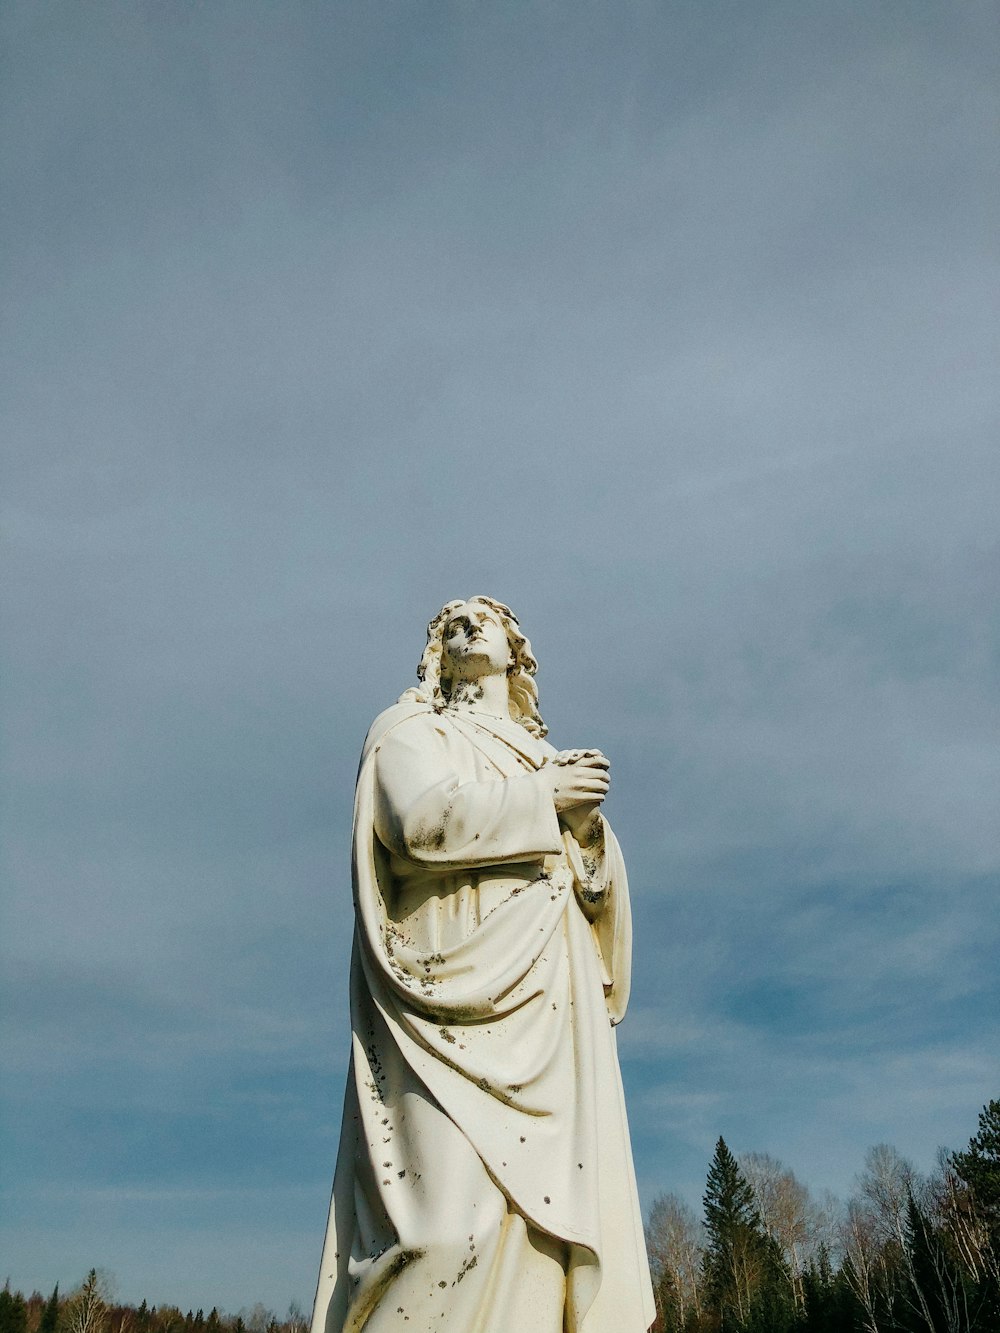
pixel 671 329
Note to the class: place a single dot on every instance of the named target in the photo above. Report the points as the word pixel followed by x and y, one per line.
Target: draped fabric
pixel 484 1180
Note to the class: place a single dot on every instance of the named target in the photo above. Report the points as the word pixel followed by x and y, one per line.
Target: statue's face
pixel 475 642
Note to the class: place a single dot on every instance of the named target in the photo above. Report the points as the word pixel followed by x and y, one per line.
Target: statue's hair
pixel 521 688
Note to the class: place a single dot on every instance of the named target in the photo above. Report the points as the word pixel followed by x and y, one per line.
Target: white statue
pixel 484 1181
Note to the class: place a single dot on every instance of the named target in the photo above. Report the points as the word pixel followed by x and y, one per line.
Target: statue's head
pixel 438 671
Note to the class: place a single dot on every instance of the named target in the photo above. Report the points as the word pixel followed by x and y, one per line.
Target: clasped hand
pixel 579 781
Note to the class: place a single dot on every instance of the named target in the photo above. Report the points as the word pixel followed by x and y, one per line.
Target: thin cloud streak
pixel 671 330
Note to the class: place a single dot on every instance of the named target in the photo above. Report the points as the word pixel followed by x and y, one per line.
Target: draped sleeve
pixel 425 812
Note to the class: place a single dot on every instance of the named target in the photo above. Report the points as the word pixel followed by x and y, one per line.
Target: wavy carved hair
pixel 521 688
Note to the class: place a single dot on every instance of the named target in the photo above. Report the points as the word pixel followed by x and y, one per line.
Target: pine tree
pixel 746 1284
pixel 13 1311
pixel 830 1305
pixel 50 1315
pixel 979 1167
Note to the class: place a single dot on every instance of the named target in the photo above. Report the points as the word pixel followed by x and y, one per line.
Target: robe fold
pixel 484 1179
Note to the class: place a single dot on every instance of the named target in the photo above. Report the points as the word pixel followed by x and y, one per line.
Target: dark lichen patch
pixel 375 1090
pixel 547 1199
pixel 399 1262
pixel 467 1267
pixel 375 1083
pixel 468 692
pixel 431 837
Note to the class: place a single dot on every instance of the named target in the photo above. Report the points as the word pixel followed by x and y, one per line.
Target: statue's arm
pixel 587 849
pixel 426 813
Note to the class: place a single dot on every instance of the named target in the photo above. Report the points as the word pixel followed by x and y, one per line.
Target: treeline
pixel 906 1254
pixel 92 1309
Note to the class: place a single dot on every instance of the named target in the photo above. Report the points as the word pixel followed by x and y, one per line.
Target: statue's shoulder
pixel 411 709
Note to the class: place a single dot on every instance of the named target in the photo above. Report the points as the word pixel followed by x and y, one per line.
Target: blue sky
pixel 673 326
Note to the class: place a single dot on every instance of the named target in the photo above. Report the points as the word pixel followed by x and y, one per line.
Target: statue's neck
pixel 488 694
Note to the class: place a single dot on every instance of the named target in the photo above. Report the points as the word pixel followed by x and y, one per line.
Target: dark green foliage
pixel 731 1225
pixel 979 1167
pixel 49 1321
pixel 771 1306
pixel 668 1304
pixel 39 1315
pixel 13 1312
pixel 728 1201
pixel 746 1282
pixel 830 1305
pixel 935 1285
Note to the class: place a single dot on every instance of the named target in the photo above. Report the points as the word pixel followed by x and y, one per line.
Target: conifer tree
pixel 746 1281
pixel 50 1315
pixel 830 1304
pixel 979 1167
pixel 13 1311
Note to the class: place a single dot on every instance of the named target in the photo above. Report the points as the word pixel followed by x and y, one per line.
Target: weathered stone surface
pixel 484 1181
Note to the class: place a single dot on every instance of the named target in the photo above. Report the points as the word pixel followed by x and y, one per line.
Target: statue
pixel 484 1180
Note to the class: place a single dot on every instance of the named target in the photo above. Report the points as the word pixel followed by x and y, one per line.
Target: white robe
pixel 484 1181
